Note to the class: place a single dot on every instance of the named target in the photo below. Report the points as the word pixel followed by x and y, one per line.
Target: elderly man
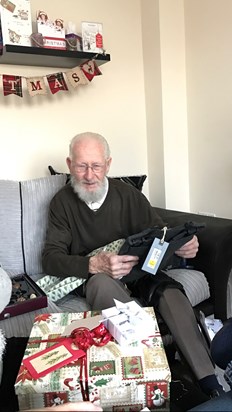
pixel 94 210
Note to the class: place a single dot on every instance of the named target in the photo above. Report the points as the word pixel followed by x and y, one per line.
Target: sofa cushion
pixel 36 197
pixel 194 282
pixel 136 181
pixel 11 255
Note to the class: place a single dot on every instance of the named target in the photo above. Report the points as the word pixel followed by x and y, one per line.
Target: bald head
pixel 87 138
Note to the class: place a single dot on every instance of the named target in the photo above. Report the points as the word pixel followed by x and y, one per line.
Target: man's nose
pixel 89 172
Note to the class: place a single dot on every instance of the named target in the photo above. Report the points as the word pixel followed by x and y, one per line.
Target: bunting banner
pixel 55 82
pixel 90 69
pixel 12 85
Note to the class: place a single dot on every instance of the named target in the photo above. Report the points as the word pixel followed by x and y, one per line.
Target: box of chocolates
pixel 26 297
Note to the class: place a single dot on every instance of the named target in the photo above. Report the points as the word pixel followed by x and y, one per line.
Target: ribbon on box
pixel 65 351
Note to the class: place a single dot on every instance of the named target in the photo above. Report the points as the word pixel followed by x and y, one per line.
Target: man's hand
pixel 189 250
pixel 113 265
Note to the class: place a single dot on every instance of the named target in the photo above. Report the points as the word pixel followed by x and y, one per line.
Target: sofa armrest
pixel 214 257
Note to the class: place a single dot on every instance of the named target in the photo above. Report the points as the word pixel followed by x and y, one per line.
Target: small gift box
pixel 118 378
pixel 127 322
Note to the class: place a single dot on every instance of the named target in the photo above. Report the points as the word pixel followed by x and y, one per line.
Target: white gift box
pixel 127 322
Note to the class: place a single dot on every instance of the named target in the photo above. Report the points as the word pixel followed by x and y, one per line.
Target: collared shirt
pixel 95 205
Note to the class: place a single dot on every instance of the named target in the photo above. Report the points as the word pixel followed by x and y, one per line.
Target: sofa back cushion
pixel 36 196
pixel 11 255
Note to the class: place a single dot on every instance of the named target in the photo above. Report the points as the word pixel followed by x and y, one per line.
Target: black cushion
pixel 136 181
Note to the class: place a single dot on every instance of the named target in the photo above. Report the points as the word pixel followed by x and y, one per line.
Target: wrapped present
pixel 127 322
pixel 126 378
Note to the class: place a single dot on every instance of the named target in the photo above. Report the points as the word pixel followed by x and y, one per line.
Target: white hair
pixel 90 136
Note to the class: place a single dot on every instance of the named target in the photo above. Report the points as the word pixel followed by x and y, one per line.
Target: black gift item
pixel 140 243
pixel 26 296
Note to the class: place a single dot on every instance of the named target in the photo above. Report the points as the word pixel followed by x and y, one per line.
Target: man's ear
pixel 108 164
pixel 68 161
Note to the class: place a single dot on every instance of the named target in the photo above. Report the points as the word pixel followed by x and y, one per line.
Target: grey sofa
pixel 23 221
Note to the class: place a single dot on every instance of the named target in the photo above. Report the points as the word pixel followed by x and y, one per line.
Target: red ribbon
pixel 84 338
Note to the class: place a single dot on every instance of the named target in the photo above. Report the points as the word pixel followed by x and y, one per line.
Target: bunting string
pixel 56 82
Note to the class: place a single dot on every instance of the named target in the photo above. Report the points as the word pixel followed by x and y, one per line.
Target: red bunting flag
pixel 56 82
pixel 12 85
pixel 90 69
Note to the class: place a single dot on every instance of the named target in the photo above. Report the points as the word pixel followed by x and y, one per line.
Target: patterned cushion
pixel 56 288
pixel 195 284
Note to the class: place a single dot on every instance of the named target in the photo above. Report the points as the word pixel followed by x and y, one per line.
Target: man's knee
pixel 101 280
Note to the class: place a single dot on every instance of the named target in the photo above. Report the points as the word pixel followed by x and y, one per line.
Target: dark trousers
pixel 175 309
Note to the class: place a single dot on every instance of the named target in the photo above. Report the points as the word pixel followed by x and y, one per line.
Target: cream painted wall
pixel 153 94
pixel 188 103
pixel 209 90
pixel 183 144
pixel 35 132
pixel 166 106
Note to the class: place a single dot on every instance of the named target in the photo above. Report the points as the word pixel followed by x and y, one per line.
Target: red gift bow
pixel 84 338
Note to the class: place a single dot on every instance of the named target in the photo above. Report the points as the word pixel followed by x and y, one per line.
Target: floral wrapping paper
pixel 121 378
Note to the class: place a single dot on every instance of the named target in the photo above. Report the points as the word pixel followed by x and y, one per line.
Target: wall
pixel 165 88
pixel 209 95
pixel 188 90
pixel 169 118
pixel 35 132
pixel 153 100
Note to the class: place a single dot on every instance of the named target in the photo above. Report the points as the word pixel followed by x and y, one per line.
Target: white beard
pixel 86 196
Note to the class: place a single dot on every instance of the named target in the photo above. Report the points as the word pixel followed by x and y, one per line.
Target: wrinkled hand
pixel 113 265
pixel 70 407
pixel 189 250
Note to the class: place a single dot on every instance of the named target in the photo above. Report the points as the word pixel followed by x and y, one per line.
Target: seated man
pixel 92 211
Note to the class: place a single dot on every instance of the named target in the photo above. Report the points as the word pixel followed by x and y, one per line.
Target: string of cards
pixel 80 75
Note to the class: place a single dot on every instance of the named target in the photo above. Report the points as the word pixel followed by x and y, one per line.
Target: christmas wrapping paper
pixel 121 378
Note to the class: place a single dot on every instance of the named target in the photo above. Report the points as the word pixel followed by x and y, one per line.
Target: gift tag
pixel 89 323
pixel 155 256
pixel 52 358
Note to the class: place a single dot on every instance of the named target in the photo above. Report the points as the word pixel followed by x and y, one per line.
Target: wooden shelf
pixel 38 56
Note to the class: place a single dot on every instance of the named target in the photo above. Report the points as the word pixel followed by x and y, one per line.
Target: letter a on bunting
pixel 56 82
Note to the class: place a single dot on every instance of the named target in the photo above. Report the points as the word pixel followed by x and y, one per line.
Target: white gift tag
pixel 155 256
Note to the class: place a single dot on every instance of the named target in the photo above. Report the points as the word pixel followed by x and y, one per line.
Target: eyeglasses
pixel 96 168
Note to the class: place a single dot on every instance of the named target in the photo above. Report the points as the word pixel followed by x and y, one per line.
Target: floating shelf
pixel 39 56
